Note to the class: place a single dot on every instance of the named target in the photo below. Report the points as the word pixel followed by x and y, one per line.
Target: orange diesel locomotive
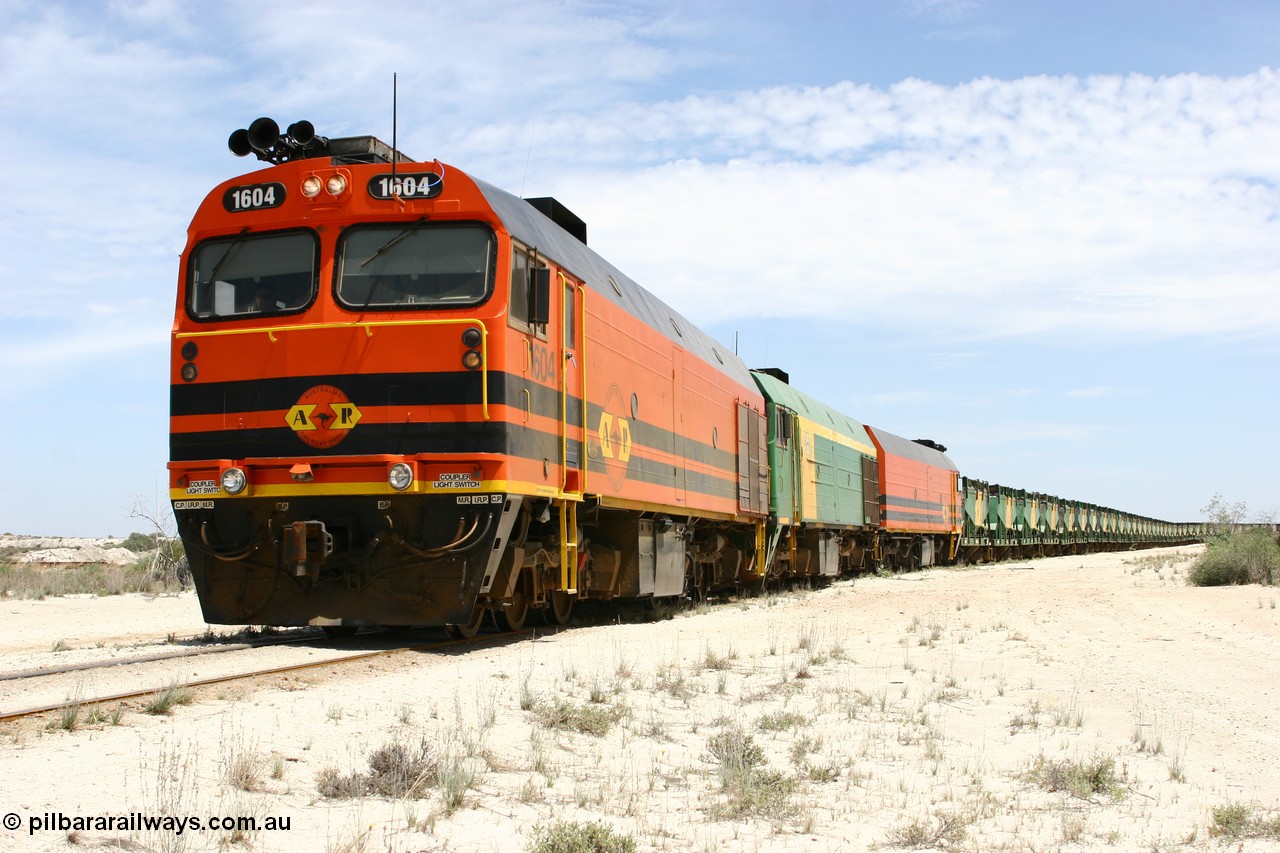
pixel 402 396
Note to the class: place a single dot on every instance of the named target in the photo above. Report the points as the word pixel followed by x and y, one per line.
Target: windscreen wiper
pixel 392 242
pixel 226 256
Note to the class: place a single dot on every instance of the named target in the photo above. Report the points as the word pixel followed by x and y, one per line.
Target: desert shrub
pixel 333 784
pixel 1236 820
pixel 1079 778
pixel 751 787
pixel 938 830
pixel 396 770
pixel 1242 557
pixel 588 719
pixel 735 750
pixel 38 580
pixel 567 836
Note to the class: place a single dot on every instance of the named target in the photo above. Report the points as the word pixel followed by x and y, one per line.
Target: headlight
pixel 400 476
pixel 336 185
pixel 311 186
pixel 234 481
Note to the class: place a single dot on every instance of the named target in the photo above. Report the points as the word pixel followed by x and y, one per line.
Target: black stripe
pixel 929 518
pixel 656 438
pixel 461 438
pixel 368 389
pixel 422 389
pixel 908 503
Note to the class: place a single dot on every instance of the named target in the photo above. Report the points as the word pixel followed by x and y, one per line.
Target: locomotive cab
pixel 344 448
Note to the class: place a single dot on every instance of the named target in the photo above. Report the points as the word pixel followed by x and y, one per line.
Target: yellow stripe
pixel 835 437
pixel 647 506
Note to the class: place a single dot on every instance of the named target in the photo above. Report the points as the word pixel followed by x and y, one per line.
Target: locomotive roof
pixel 783 394
pixel 899 446
pixel 530 226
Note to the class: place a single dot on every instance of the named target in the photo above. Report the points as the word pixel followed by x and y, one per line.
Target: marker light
pixel 311 186
pixel 471 360
pixel 336 185
pixel 400 476
pixel 471 338
pixel 234 481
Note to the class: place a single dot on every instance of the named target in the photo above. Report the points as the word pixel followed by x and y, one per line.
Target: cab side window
pixel 570 318
pixel 522 267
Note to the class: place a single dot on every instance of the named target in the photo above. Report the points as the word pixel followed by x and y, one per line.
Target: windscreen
pixel 252 274
pixel 415 265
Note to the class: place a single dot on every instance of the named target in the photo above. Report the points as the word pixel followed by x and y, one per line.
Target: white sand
pixel 876 703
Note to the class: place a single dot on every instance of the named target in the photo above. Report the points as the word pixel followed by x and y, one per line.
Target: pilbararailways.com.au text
pixel 140 822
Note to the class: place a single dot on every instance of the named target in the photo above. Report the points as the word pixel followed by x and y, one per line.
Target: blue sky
pixel 1043 234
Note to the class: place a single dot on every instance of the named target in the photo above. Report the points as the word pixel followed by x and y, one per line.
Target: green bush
pixel 1243 557
pixel 751 788
pixel 567 836
pixel 588 719
pixel 140 543
pixel 1236 820
pixel 1081 778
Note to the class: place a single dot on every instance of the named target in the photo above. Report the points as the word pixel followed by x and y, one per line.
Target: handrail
pixel 582 353
pixel 568 514
pixel 568 546
pixel 368 326
pixel 581 345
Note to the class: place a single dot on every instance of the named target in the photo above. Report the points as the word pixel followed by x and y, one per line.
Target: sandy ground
pixel 882 711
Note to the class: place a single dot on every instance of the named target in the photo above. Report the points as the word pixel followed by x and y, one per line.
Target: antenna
pixel 527 155
pixel 394 102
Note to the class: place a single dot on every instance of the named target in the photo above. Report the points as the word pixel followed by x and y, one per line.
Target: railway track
pixel 210 649
pixel 152 688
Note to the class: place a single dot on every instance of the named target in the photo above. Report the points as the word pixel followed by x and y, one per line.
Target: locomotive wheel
pixel 511 617
pixel 469 630
pixel 559 608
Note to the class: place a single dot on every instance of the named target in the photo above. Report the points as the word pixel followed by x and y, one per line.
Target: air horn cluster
pixel 264 139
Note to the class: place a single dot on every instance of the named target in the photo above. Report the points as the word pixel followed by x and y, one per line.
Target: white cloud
pixel 1107 205
pixel 1104 205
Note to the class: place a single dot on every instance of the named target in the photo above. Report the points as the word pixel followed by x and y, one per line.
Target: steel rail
pixel 153 658
pixel 507 636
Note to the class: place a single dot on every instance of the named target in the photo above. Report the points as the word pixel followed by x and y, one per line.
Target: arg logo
pixel 613 438
pixel 323 416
